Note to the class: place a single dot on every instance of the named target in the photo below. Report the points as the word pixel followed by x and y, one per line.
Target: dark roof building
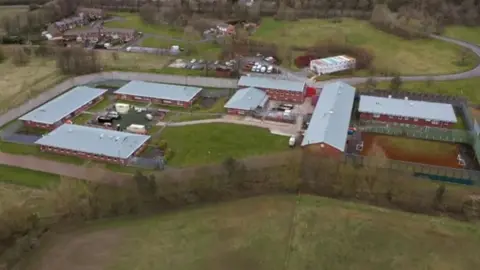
pixel 330 121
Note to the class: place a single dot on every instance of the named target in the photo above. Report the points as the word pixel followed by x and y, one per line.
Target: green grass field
pixel 206 50
pixel 210 143
pixel 392 53
pixel 467 88
pixel 464 33
pixel 28 178
pixel 276 232
pixel 133 21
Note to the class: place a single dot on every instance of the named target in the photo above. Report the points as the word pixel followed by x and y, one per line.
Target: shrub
pixel 168 154
pixel 20 58
pixel 162 145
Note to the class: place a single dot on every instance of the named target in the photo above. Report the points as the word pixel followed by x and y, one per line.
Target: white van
pixel 122 108
pixel 139 129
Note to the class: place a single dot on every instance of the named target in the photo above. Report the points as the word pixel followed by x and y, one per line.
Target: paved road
pixel 63 169
pixel 36 163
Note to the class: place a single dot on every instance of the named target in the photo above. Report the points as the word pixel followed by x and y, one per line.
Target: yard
pixel 28 178
pixel 410 150
pixel 211 143
pixel 464 33
pixel 270 232
pixel 133 21
pixel 205 50
pixel 392 53
pixel 138 62
pixel 467 88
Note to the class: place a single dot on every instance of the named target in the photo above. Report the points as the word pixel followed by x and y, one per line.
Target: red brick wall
pixel 405 120
pixel 236 111
pixel 157 101
pixel 284 95
pixel 326 150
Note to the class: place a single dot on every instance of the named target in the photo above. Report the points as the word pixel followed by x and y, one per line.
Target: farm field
pixel 392 53
pixel 210 143
pixel 275 232
pixel 464 33
pixel 133 21
pixel 467 88
pixel 411 150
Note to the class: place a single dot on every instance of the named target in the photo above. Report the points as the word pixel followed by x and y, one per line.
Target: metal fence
pixel 420 96
pixel 441 173
pixel 426 133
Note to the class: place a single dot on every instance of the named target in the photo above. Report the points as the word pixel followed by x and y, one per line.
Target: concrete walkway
pixel 274 127
pixel 63 169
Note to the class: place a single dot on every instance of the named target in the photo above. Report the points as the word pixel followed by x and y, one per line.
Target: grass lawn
pixel 28 178
pixel 210 143
pixel 101 106
pixel 392 53
pixel 140 62
pixel 464 33
pixel 133 21
pixel 467 88
pixel 33 150
pixel 419 147
pixel 82 118
pixel 205 50
pixel 185 117
pixel 19 84
pixel 275 232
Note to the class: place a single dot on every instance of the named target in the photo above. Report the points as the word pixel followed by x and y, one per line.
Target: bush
pixel 162 145
pixel 19 57
pixel 168 155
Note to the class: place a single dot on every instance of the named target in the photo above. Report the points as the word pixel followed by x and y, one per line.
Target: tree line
pixel 295 172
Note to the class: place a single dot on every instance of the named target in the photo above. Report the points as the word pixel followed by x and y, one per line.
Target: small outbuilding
pixel 276 89
pixel 246 100
pixel 60 109
pixel 328 129
pixel 159 93
pixel 406 112
pixel 332 64
pixel 93 143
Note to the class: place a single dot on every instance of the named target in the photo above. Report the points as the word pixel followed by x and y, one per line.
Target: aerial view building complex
pixel 62 108
pixel 328 129
pixel 160 93
pixel 93 143
pixel 276 89
pixel 406 112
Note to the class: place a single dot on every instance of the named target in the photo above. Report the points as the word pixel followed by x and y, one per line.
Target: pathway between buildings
pixel 63 169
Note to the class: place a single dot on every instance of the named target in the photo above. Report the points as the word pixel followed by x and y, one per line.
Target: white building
pixel 332 64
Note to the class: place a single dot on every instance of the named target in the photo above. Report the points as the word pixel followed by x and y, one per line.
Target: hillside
pixel 277 232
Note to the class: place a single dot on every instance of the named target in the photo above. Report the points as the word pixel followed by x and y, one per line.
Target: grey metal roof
pixel 263 82
pixel 247 99
pixel 57 108
pixel 407 108
pixel 98 141
pixel 159 90
pixel 331 118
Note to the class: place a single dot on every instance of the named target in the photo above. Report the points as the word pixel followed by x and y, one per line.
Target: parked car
pixel 193 61
pixel 286 106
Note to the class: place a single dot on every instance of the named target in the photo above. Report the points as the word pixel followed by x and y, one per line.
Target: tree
pixel 162 144
pixel 396 82
pixel 463 56
pixel 148 13
pixel 77 61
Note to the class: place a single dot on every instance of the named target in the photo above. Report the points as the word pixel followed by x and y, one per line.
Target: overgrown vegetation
pixel 291 172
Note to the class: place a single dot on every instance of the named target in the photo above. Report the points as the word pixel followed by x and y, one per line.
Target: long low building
pixel 246 100
pixel 166 94
pixel 93 143
pixel 66 106
pixel 332 64
pixel 276 89
pixel 406 112
pixel 328 129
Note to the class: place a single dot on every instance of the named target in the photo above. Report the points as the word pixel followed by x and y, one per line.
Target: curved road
pixel 73 171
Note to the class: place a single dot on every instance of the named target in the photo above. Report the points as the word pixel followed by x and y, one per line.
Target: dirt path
pixel 82 251
pixel 62 169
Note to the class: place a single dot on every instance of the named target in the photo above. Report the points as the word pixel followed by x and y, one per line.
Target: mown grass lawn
pixel 210 143
pixel 464 33
pixel 204 50
pixel 133 21
pixel 28 178
pixel 392 53
pixel 275 232
pixel 467 88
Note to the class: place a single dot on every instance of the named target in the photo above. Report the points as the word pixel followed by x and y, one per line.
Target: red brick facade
pixel 324 149
pixel 284 95
pixel 405 120
pixel 91 156
pixel 166 102
pixel 64 119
